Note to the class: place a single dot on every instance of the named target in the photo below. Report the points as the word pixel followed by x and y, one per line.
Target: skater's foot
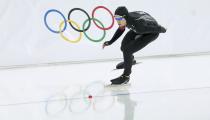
pixel 121 80
pixel 121 64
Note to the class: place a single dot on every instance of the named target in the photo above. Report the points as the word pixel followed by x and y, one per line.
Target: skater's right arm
pixel 117 34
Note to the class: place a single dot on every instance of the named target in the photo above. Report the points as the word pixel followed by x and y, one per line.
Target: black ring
pixel 86 15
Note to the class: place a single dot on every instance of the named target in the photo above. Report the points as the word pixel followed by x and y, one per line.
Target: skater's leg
pixel 128 48
pixel 133 47
pixel 141 41
pixel 128 39
pixel 128 58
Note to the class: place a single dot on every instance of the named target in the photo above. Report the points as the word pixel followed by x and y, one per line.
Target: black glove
pixel 106 43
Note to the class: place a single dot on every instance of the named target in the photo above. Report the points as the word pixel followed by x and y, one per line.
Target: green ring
pixel 91 39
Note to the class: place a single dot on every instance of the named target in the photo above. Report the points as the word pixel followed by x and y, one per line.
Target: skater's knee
pixel 124 49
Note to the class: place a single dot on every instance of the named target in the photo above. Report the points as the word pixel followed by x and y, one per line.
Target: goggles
pixel 118 18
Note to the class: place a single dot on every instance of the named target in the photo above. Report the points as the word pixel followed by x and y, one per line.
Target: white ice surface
pixel 161 89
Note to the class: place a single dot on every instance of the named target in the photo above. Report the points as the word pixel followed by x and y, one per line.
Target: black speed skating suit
pixel 143 30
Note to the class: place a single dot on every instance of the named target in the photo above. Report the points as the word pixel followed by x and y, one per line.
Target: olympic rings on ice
pixel 85 26
pixel 78 100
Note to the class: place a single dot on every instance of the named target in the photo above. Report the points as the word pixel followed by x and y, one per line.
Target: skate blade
pixel 118 87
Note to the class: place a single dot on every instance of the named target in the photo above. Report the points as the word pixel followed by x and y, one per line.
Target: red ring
pixel 93 12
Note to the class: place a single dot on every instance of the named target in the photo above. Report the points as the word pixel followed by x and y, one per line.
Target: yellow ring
pixel 64 37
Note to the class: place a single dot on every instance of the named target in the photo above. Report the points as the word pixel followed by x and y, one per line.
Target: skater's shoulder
pixel 136 13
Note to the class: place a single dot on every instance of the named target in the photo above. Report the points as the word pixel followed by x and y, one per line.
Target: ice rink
pixel 173 88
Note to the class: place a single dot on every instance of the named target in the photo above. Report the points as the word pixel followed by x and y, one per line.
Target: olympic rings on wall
pixel 65 38
pixel 93 16
pixel 89 22
pixel 84 27
pixel 45 20
pixel 104 34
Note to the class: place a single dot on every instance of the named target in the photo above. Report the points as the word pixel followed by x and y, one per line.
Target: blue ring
pixel 45 20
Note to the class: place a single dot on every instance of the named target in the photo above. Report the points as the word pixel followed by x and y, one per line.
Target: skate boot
pixel 120 80
pixel 121 64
